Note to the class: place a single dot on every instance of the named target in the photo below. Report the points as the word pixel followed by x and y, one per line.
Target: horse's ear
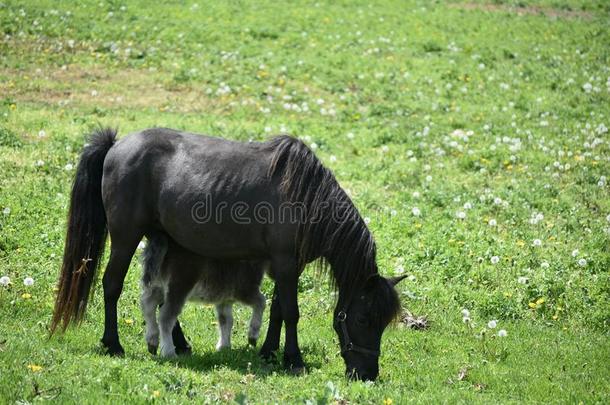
pixel 396 280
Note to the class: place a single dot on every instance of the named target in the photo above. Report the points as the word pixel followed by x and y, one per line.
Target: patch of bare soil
pixel 528 10
pixel 84 86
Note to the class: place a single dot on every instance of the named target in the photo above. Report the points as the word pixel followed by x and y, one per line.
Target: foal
pixel 167 265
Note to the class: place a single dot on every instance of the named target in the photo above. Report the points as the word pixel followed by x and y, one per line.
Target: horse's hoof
pixel 152 349
pixel 252 341
pixel 296 371
pixel 267 355
pixel 294 364
pixel 184 351
pixel 115 351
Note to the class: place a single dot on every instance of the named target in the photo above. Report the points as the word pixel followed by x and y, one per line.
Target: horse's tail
pixel 86 232
pixel 152 257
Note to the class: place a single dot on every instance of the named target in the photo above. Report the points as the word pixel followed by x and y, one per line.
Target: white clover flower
pixel 39 163
pixel 314 146
pixel 497 201
pixel 575 252
pixel 416 212
pixel 400 269
pixel 393 213
pixel 428 178
pixel 466 319
pixel 68 167
pixel 333 158
pixel 467 206
pixel 42 133
pixel 495 259
pixel 417 195
pixel 93 93
pixel 582 262
pixel 465 313
pixel 412 277
pixel 492 222
pixel 587 87
pixel 5 281
pixel 522 280
pixel 28 281
pixel 502 333
pixel 537 242
pixel 6 211
pixel 350 135
pixel 367 220
pixel 492 324
pixel 544 265
pixel 460 214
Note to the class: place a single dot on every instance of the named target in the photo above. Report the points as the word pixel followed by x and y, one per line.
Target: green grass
pixel 408 80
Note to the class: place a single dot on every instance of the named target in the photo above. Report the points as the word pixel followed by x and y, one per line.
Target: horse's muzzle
pixel 354 374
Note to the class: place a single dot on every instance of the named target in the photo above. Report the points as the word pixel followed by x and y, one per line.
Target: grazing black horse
pixel 221 199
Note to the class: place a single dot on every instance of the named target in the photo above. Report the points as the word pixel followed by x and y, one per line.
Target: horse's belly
pixel 202 293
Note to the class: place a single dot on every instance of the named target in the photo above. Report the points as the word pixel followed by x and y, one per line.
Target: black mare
pixel 225 200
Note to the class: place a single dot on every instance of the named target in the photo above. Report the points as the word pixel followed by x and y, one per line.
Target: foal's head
pixel 360 322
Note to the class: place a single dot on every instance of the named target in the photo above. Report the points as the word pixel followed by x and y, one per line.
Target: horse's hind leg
pixel 122 250
pixel 224 311
pixel 180 342
pixel 258 308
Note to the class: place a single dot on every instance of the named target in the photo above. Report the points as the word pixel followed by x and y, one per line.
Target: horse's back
pixel 157 179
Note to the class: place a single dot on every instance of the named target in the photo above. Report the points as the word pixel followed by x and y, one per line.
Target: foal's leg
pixel 151 298
pixel 286 280
pixel 224 311
pixel 175 297
pixel 122 249
pixel 272 340
pixel 258 307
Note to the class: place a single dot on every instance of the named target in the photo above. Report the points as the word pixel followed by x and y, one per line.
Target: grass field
pixel 473 137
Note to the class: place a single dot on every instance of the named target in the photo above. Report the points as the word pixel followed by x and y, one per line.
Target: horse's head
pixel 360 322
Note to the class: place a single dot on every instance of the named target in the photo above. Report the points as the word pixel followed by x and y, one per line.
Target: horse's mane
pixel 333 232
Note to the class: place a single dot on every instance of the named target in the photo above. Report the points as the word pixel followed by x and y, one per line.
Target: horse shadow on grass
pixel 244 360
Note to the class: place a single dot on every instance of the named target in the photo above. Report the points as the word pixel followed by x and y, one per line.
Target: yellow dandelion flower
pixel 540 301
pixel 156 394
pixel 26 296
pixel 34 368
pixel 388 401
pixel 532 305
pixel 520 243
pixel 417 226
pixel 129 321
pixel 555 317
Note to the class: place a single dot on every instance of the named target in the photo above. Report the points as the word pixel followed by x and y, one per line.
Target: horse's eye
pixel 362 320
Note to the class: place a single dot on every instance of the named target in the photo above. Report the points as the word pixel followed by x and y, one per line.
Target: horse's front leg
pixel 272 340
pixel 286 282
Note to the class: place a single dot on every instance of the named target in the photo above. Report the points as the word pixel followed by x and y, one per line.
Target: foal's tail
pixel 86 233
